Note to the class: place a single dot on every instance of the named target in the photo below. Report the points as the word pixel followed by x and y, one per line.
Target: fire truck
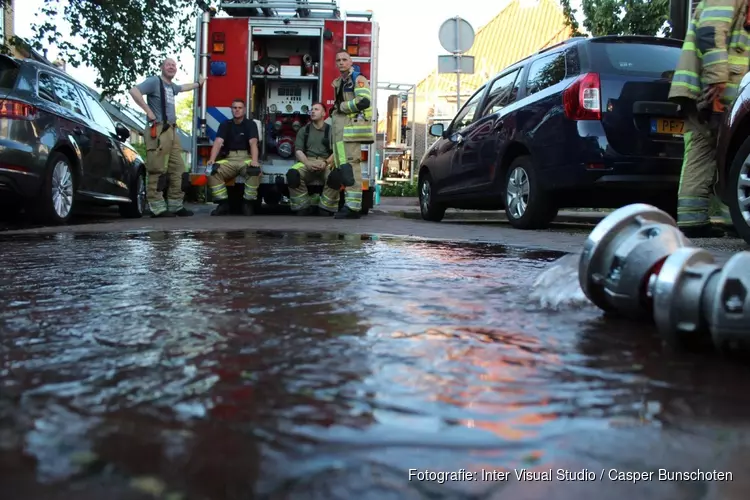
pixel 279 56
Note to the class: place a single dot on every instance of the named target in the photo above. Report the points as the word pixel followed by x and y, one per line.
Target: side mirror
pixel 123 133
pixel 437 130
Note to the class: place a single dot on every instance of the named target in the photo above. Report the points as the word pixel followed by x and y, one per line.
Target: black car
pixel 585 123
pixel 59 147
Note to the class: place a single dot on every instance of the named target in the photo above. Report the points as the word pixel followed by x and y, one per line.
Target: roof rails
pixel 280 8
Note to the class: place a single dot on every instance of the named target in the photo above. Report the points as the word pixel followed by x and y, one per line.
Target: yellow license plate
pixel 668 126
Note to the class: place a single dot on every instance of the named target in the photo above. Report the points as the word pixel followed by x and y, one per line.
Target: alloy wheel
pixel 62 189
pixel 517 192
pixel 743 191
pixel 425 196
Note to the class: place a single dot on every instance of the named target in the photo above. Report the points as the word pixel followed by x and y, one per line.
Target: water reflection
pixel 291 365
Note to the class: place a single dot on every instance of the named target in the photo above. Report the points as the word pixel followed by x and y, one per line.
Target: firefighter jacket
pixel 354 106
pixel 715 51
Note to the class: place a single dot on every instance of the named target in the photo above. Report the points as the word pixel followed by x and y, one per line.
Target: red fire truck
pixel 279 56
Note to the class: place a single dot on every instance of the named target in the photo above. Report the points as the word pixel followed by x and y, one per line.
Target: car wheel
pixel 58 191
pixel 738 194
pixel 431 210
pixel 526 205
pixel 138 202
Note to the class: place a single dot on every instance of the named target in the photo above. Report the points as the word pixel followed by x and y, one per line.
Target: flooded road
pixel 285 365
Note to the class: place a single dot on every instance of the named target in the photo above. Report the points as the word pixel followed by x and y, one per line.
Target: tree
pixel 122 39
pixel 620 17
pixel 184 111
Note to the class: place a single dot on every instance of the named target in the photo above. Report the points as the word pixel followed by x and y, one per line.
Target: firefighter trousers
pixel 344 152
pixel 164 168
pixel 299 198
pixel 228 169
pixel 698 176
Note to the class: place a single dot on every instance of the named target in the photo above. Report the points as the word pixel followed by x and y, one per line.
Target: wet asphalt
pixel 286 358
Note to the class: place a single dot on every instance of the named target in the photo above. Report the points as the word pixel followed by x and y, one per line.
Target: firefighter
pixel 164 164
pixel 315 158
pixel 234 139
pixel 713 61
pixel 351 117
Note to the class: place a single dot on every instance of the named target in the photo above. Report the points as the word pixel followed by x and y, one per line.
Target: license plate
pixel 667 126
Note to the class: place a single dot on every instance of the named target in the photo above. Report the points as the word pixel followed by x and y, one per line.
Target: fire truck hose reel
pixel 620 254
pixel 293 178
pixel 677 291
pixel 726 304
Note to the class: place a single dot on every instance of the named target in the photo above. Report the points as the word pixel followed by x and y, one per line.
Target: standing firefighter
pixel 164 164
pixel 351 119
pixel 713 61
pixel 234 139
pixel 314 156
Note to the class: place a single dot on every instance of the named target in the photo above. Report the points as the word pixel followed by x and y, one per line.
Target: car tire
pixel 526 205
pixel 430 210
pixel 57 199
pixel 738 185
pixel 138 202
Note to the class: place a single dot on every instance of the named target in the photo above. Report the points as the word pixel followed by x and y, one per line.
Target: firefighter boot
pixel 184 212
pixel 222 208
pixel 346 213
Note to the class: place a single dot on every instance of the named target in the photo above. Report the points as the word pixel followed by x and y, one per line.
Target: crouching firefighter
pixel 351 120
pixel 314 159
pixel 234 139
pixel 164 164
pixel 713 61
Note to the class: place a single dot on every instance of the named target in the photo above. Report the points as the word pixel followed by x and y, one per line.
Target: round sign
pixel 456 35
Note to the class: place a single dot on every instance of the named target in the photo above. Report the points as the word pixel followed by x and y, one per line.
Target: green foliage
pixel 619 17
pixel 184 111
pixel 122 39
pixel 401 189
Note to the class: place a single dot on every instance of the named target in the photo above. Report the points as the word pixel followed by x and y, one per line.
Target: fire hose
pixel 638 264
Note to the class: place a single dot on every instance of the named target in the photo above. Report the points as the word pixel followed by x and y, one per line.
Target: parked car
pixel 733 160
pixel 59 147
pixel 585 123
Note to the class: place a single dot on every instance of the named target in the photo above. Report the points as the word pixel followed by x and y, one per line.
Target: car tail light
pixel 582 99
pixel 17 110
pixel 364 155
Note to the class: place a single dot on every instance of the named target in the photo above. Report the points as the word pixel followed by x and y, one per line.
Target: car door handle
pixel 498 125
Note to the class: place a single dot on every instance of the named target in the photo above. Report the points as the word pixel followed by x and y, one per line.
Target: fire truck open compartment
pixel 285 82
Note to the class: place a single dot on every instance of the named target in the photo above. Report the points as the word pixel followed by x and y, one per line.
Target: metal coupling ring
pixel 726 302
pixel 677 290
pixel 620 254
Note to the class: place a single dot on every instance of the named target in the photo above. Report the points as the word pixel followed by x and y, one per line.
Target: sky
pixel 400 20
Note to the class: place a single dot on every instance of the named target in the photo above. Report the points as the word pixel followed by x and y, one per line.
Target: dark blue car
pixel 59 148
pixel 585 123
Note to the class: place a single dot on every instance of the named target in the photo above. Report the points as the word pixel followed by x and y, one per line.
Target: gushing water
pixel 558 287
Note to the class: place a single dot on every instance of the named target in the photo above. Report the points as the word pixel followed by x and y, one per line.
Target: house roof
pixel 520 29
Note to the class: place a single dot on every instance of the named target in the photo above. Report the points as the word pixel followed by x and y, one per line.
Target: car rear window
pixel 8 73
pixel 635 59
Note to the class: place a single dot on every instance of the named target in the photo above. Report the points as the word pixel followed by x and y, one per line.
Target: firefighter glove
pixel 347 174
pixel 334 179
pixel 293 178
